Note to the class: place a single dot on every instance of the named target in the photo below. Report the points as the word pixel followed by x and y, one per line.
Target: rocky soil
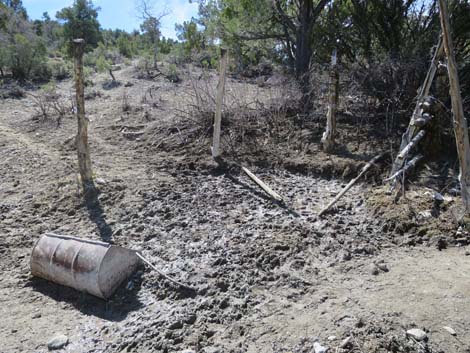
pixel 264 276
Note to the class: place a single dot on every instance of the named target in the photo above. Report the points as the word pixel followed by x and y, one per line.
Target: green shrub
pixel 60 69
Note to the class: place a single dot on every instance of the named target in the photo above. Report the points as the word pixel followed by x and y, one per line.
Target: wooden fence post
pixel 460 123
pixel 328 138
pixel 83 150
pixel 219 102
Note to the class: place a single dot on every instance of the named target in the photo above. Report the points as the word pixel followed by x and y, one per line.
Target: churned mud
pixel 265 276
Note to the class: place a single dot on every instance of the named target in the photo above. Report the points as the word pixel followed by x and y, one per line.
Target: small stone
pixel 374 270
pixel 176 325
pixel 36 316
pixel 467 252
pixel 417 334
pixel 331 338
pixel 450 330
pixel 57 342
pixel 318 348
pixel 346 256
pixel 438 197
pixel 383 267
pixel 100 181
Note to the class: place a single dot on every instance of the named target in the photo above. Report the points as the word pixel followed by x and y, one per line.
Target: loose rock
pixel 318 348
pixel 417 334
pixel 57 342
pixel 450 330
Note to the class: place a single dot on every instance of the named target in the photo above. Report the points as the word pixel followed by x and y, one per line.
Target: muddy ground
pixel 267 277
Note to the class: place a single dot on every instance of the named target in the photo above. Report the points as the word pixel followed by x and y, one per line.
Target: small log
pixel 163 274
pixel 263 186
pixel 132 135
pixel 352 182
pixel 422 121
pixel 218 107
pixel 406 168
pixel 404 152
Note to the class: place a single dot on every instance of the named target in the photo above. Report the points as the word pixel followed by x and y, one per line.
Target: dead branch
pixel 165 275
pixel 263 186
pixel 352 182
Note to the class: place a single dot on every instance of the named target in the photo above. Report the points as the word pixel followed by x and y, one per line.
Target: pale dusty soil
pixel 270 278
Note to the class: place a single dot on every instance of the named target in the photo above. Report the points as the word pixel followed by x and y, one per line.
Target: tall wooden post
pixel 328 138
pixel 460 123
pixel 83 150
pixel 218 107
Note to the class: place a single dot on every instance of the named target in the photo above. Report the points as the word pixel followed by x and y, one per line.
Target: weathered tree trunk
pixel 218 108
pixel 328 138
pixel 155 57
pixel 303 40
pixel 423 92
pixel 83 151
pixel 460 123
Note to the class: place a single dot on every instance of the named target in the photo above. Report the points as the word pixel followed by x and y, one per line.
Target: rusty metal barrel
pixel 90 266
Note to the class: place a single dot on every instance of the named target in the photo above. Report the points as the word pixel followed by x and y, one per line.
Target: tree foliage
pixel 80 21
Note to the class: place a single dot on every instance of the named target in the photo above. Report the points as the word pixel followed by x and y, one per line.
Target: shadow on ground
pixel 116 308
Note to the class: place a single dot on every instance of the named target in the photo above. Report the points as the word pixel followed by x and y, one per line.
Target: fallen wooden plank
pixel 263 186
pixel 352 182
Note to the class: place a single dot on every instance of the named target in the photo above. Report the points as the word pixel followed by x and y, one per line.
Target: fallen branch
pixel 407 167
pixel 404 152
pixel 352 182
pixel 164 275
pixel 263 186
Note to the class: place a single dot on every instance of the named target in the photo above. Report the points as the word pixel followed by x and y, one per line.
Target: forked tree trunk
pixel 83 151
pixel 328 138
pixel 218 109
pixel 460 123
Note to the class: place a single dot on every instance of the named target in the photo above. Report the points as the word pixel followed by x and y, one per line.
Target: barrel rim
pixel 70 237
pixel 32 253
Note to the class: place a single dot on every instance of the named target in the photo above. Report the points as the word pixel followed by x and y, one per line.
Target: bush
pixel 26 58
pixel 60 70
pixel 172 74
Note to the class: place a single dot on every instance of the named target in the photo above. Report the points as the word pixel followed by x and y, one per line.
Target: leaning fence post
pixel 460 123
pixel 83 150
pixel 218 107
